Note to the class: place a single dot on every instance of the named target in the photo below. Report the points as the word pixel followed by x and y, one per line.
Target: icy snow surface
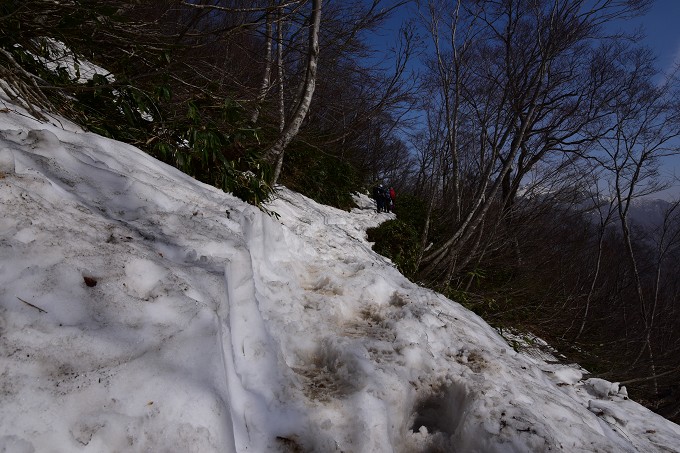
pixel 141 310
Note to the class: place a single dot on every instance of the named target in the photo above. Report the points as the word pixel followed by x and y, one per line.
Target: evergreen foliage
pixel 398 241
pixel 142 101
pixel 320 176
pixel 412 210
pixel 212 145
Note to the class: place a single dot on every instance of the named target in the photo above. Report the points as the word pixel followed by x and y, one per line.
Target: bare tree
pixel 301 106
pixel 269 60
pixel 532 87
pixel 644 124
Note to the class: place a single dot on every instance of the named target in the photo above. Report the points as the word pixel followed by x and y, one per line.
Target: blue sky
pixel 661 26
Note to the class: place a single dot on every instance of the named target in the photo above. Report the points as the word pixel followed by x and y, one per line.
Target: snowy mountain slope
pixel 144 311
pixel 648 213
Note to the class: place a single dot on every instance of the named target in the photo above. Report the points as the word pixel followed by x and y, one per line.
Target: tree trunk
pixel 279 69
pixel 266 77
pixel 275 153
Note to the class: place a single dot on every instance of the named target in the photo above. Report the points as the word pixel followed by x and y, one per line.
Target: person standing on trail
pixel 388 201
pixel 379 195
pixel 393 196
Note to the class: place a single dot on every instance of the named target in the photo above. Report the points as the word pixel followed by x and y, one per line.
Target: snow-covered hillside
pixel 141 310
pixel 648 213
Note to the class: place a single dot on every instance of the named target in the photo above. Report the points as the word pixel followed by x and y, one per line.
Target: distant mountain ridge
pixel 648 213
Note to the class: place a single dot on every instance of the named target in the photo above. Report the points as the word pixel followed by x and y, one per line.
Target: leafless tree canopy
pixel 542 127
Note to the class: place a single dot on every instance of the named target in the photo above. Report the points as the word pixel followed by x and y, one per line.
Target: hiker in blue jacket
pixel 380 195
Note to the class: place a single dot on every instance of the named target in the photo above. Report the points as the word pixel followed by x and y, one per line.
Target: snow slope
pixel 141 310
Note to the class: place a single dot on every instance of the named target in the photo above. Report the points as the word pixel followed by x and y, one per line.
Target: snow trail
pixel 214 327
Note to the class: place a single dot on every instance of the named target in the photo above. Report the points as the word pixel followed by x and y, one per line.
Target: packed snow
pixel 142 310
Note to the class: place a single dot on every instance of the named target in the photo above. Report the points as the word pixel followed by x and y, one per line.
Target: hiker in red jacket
pixel 393 197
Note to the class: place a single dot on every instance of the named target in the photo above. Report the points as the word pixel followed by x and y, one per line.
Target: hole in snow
pixel 289 444
pixel 438 415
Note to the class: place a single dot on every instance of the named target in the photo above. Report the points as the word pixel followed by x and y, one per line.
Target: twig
pixel 649 378
pixel 31 305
